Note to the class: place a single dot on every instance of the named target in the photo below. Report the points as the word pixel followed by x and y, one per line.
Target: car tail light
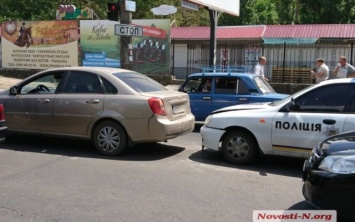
pixel 2 112
pixel 157 106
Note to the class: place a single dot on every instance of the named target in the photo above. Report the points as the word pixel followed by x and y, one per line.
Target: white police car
pixel 288 127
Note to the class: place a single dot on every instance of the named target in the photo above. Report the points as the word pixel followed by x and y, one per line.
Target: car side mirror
pixel 180 89
pixel 292 106
pixel 13 90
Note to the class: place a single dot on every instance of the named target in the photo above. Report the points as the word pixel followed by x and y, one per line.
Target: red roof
pixel 223 32
pixel 310 31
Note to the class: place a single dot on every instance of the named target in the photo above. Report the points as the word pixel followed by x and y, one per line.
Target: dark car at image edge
pixel 3 128
pixel 329 175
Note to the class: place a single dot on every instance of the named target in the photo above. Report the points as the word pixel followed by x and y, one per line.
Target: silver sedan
pixel 114 108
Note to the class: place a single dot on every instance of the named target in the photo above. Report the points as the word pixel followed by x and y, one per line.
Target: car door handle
pixel 243 99
pixel 92 101
pixel 329 121
pixel 43 100
pixel 206 98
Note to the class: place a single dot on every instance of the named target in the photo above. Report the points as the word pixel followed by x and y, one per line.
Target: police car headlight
pixel 338 164
pixel 208 119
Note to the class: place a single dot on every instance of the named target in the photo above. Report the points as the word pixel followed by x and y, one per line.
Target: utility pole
pixel 126 41
pixel 213 36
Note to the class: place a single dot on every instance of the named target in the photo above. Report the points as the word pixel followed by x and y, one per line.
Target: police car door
pixel 316 115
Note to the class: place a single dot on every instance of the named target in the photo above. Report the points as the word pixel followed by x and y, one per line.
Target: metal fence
pixel 282 56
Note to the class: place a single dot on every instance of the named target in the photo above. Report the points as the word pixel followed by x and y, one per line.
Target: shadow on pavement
pixel 197 128
pixel 303 205
pixel 265 165
pixel 84 148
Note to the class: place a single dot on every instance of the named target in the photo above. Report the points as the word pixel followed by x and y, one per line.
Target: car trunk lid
pixel 176 104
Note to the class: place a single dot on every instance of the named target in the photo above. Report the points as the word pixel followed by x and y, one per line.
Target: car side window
pixel 199 85
pixel 225 85
pixel 331 98
pixel 109 88
pixel 83 82
pixel 45 84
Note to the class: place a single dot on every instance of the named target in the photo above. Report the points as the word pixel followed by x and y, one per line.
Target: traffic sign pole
pixel 126 19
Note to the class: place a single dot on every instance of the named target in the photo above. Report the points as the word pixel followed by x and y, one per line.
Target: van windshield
pixel 263 85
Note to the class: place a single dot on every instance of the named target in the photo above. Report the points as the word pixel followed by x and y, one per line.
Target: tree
pixel 286 10
pixel 253 12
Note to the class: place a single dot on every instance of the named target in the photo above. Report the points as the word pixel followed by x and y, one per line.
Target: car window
pixel 198 84
pixel 139 82
pixel 263 86
pixel 47 84
pixel 109 88
pixel 329 98
pixel 82 82
pixel 225 85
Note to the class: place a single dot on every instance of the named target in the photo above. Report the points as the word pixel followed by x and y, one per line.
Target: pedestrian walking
pixel 259 68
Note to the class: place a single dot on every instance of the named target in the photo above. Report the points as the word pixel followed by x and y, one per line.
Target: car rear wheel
pixel 239 147
pixel 110 138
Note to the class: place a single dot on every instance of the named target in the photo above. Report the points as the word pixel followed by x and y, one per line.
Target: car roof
pixel 223 74
pixel 335 81
pixel 99 69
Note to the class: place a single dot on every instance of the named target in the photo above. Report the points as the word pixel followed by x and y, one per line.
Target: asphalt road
pixel 56 179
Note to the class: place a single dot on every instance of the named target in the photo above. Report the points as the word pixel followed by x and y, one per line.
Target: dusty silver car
pixel 115 108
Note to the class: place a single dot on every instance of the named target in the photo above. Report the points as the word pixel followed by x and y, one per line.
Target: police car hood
pixel 247 106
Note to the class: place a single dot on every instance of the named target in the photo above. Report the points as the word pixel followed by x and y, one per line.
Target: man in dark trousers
pixel 22 30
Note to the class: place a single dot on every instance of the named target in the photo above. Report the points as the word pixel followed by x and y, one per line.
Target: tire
pixel 239 147
pixel 109 138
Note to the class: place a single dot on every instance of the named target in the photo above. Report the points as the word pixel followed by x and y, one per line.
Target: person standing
pixel 322 72
pixel 259 68
pixel 22 30
pixel 344 69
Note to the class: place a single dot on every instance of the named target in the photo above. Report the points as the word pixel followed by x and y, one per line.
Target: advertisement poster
pixel 101 47
pixel 224 58
pixel 0 51
pixel 39 44
pixel 252 54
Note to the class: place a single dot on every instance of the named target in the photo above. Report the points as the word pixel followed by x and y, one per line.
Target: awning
pixel 281 41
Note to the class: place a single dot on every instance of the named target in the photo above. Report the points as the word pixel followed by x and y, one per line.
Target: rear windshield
pixel 139 82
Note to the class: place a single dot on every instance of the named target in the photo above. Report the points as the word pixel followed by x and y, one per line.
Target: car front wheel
pixel 239 147
pixel 109 138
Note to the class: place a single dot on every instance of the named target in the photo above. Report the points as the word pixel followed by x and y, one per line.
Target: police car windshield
pixel 263 86
pixel 295 95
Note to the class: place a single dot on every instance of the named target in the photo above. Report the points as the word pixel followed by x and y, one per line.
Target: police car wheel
pixel 239 147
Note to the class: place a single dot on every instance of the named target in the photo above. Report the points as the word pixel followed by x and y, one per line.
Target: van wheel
pixel 109 138
pixel 239 147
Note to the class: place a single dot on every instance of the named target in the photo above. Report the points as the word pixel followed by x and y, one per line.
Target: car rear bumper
pixel 211 137
pixel 330 191
pixel 162 129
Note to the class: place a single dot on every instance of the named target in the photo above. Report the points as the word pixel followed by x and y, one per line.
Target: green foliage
pixel 252 12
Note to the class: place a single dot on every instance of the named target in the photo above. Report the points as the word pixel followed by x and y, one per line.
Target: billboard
pixel 227 6
pixel 99 45
pixel 39 44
